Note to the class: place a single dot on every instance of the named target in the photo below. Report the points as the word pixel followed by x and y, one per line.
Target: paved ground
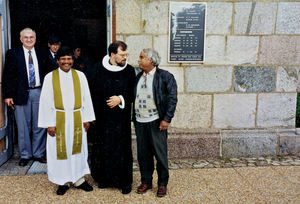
pixel 234 180
pixel 271 184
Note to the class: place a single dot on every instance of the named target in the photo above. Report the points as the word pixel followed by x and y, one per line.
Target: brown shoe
pixel 161 191
pixel 143 188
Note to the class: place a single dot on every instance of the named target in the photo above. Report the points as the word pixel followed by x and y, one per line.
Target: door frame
pixel 111 21
pixel 7 130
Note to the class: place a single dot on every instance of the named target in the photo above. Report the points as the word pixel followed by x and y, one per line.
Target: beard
pixel 122 63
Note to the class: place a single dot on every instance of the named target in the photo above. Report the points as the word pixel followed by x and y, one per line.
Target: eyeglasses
pixel 123 55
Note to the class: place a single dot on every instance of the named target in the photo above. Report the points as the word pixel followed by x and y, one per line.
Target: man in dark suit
pixel 21 86
pixel 54 44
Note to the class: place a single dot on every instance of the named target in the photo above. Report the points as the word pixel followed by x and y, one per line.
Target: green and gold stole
pixel 60 116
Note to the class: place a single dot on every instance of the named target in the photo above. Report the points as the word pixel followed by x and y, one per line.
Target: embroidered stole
pixel 60 116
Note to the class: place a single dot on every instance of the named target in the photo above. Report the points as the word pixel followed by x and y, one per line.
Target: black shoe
pixel 85 186
pixel 62 189
pixel 23 162
pixel 126 189
pixel 102 186
pixel 41 160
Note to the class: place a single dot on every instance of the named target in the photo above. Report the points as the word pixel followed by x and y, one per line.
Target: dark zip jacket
pixel 164 93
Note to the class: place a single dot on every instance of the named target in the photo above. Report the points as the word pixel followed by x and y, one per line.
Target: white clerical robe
pixel 75 166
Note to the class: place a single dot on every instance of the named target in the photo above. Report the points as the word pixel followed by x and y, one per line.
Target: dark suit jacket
pixel 50 63
pixel 15 77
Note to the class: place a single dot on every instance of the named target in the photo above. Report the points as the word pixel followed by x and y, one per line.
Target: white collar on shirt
pixel 110 67
pixel 26 50
pixel 52 53
pixel 151 73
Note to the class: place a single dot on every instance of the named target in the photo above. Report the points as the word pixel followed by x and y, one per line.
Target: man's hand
pixel 51 131
pixel 163 125
pixel 86 126
pixel 113 101
pixel 10 103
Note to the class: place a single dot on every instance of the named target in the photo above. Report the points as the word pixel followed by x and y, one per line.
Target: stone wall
pixel 242 99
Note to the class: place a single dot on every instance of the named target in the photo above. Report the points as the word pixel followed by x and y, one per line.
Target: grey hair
pixel 152 54
pixel 27 30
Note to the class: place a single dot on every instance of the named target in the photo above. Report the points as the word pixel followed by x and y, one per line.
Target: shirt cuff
pixel 122 104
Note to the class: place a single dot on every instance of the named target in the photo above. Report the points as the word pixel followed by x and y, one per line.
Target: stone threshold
pixel 290 160
pixel 216 143
pixel 11 167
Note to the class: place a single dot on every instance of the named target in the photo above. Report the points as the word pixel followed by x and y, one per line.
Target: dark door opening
pixel 80 22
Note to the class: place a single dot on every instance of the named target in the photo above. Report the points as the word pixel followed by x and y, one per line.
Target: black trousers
pixel 152 142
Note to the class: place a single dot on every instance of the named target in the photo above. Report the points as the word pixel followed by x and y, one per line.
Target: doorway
pixel 76 22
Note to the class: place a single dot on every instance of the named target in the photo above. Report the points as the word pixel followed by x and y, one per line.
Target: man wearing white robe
pixel 75 166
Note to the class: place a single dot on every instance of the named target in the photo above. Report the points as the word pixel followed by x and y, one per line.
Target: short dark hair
pixel 64 51
pixel 113 47
pixel 53 39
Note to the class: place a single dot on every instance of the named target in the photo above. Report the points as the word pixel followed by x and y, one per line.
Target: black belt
pixel 36 87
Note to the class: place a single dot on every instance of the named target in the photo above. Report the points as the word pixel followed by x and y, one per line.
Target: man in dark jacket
pixel 155 104
pixel 54 44
pixel 21 87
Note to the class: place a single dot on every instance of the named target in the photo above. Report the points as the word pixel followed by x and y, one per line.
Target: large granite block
pixel 136 43
pixel 254 79
pixel 289 142
pixel 288 18
pixel 155 17
pixel 231 50
pixel 190 144
pixel 208 79
pixel 282 50
pixel 178 73
pixel 218 18
pixel 120 37
pixel 276 109
pixel 192 111
pixel 128 17
pixel 161 46
pixel 242 49
pixel 287 79
pixel 240 143
pixel 234 110
pixel 194 144
pixel 254 18
pixel 214 50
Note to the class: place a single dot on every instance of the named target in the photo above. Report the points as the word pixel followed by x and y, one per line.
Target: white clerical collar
pixel 110 67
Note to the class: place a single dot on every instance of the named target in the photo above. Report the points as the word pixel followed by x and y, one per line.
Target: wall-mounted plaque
pixel 186 32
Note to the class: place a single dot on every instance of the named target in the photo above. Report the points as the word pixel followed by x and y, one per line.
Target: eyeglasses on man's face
pixel 123 55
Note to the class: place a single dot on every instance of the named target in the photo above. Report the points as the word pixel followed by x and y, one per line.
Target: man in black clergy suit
pixel 54 44
pixel 21 86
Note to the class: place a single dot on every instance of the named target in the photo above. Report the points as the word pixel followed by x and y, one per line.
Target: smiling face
pixel 65 63
pixel 28 39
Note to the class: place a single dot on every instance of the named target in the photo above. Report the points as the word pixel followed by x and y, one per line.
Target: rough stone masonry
pixel 242 100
